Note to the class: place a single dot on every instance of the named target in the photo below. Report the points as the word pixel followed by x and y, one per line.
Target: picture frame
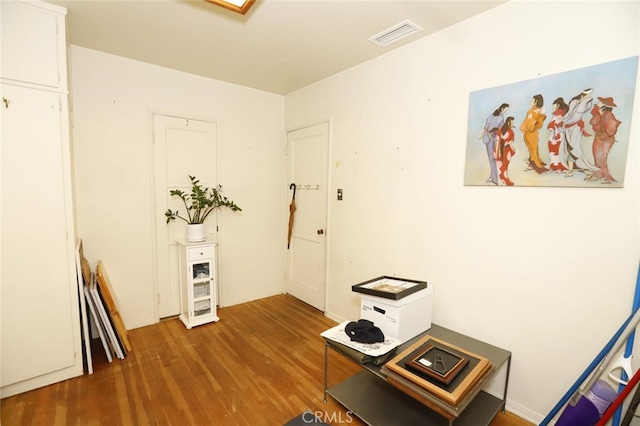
pixel 238 7
pixel 438 363
pixel 95 316
pixel 455 393
pixel 524 133
pixel 105 318
pixel 389 287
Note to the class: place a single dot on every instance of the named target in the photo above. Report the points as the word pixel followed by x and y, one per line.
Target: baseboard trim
pixel 524 413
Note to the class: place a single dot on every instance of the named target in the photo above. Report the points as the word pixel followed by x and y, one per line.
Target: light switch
pixel 339 194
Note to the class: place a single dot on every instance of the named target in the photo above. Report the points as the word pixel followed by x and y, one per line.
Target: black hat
pixel 364 331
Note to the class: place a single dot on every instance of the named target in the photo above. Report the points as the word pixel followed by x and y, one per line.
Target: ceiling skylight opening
pixel 239 6
pixel 395 33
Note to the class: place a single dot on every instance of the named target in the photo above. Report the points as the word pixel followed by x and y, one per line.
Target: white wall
pixel 112 99
pixel 398 138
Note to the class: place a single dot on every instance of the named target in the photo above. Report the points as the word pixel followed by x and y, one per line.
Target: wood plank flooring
pixel 262 364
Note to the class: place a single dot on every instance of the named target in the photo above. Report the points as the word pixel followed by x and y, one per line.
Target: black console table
pixel 368 395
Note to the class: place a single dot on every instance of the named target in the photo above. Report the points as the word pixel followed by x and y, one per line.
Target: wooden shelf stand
pixel 370 397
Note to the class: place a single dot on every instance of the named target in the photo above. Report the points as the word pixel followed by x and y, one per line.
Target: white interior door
pixel 308 152
pixel 182 147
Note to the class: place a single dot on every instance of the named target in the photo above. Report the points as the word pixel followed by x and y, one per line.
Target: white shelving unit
pixel 198 283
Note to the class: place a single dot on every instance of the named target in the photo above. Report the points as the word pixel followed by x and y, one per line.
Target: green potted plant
pixel 199 205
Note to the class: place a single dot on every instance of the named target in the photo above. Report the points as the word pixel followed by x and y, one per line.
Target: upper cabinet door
pixel 33 44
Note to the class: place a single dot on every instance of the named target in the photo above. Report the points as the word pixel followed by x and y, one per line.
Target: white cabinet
pixel 40 326
pixel 198 283
pixel 34 44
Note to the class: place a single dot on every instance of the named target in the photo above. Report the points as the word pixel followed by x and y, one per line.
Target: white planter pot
pixel 195 232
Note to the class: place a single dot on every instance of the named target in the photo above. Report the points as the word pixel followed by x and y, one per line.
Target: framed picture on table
pixel 438 362
pixel 463 377
pixel 389 287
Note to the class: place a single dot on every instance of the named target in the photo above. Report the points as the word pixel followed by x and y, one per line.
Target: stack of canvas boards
pixel 97 295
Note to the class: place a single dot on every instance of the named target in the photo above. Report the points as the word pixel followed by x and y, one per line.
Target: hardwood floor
pixel 262 364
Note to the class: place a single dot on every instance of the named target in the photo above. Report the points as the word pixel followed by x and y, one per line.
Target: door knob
pixel 320 231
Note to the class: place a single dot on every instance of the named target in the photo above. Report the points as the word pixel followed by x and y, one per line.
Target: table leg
pixel 506 386
pixel 326 355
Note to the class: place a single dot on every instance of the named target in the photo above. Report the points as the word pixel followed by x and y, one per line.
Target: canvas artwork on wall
pixel 569 129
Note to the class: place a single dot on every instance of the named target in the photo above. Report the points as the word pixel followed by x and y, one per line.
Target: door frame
pixel 287 200
pixel 152 188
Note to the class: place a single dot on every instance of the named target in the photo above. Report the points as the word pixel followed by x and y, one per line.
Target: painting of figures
pixel 570 129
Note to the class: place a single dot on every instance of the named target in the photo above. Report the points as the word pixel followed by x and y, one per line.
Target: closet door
pixel 37 293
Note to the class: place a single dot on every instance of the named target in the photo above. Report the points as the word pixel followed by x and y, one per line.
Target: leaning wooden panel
pixel 104 286
pixel 86 269
pixel 452 397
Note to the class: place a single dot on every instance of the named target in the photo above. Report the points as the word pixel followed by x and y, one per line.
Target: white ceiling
pixel 278 46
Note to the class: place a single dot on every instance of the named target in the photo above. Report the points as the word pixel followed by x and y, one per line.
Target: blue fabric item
pixel 584 413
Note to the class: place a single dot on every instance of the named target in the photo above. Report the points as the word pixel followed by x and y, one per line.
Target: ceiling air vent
pixel 395 33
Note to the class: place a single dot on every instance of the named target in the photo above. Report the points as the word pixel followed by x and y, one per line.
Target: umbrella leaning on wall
pixel 292 211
